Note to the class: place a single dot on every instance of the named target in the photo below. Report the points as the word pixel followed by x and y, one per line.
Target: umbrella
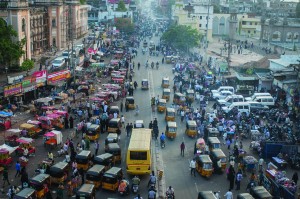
pixel 49 134
pixel 24 140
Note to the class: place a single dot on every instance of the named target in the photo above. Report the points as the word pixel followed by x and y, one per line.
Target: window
pixel 254 31
pixel 249 31
pixel 250 23
pixel 270 100
pixel 200 17
pixel 200 25
pixel 255 23
pixel 53 23
pixel 243 22
pixel 138 155
pixel 23 25
pixel 241 107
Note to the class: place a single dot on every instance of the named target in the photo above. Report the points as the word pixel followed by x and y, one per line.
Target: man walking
pixel 239 177
pixel 96 147
pixel 18 169
pixel 228 194
pixel 193 167
pixel 182 147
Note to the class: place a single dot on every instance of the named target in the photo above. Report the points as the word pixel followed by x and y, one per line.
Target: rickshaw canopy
pixel 25 193
pixel 8 148
pixel 113 147
pixel 166 90
pixel 53 116
pixel 26 126
pixel 190 92
pixel 24 140
pixel 58 135
pixel 205 158
pixel 86 189
pixel 172 124
pixel 218 153
pixel 244 196
pixel 214 140
pixel 34 122
pixel 191 123
pixel 206 195
pixel 102 158
pixel 112 172
pixel 40 178
pixel 83 154
pixel 114 121
pixel 139 124
pixel 170 110
pixel 58 167
pixel 96 169
pixel 165 80
pixel 130 100
pixel 162 101
pixel 92 127
pixel 260 192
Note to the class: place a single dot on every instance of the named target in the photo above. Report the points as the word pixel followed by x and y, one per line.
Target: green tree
pixel 298 10
pixel 216 9
pixel 182 37
pixel 121 6
pixel 82 2
pixel 10 50
pixel 27 65
pixel 124 25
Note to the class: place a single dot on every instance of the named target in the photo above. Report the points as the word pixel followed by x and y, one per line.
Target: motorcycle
pixel 124 190
pixel 162 144
pixel 135 188
pixel 169 196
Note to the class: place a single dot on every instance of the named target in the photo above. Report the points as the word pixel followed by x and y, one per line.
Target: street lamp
pixel 6 69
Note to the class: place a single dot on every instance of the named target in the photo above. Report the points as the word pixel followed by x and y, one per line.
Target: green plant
pixel 250 71
pixel 27 65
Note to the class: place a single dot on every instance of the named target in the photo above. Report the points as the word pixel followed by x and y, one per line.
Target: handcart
pixel 250 163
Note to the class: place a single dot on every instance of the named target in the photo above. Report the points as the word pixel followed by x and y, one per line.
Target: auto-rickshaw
pixel 190 95
pixel 114 109
pixel 94 175
pixel 145 84
pixel 170 114
pixel 93 132
pixel 113 125
pixel 59 172
pixel 171 130
pixel 217 155
pixel 191 128
pixel 115 150
pixel 39 182
pixel 168 59
pixel 213 143
pixel 161 106
pixel 27 193
pixel 179 99
pixel 206 195
pixel 210 132
pixel 165 83
pixel 111 138
pixel 111 178
pixel 166 94
pixel 25 142
pixel 83 159
pixel 260 192
pixel 138 124
pixel 204 165
pixel 86 191
pixel 104 159
pixel 32 130
pixel 130 102
pixel 244 196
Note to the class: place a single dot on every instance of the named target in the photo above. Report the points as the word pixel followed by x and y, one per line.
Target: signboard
pixel 58 76
pixel 12 89
pixel 40 77
pixel 29 84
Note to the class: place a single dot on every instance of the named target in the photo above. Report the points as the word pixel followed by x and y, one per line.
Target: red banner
pixel 59 76
pixel 12 89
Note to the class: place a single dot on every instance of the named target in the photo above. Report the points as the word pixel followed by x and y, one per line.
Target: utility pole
pixel 72 66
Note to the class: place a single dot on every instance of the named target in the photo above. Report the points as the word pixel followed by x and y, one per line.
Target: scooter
pixel 162 144
pixel 135 188
pixel 169 196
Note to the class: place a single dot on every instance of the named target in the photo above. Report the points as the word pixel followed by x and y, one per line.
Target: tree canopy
pixel 121 6
pixel 10 50
pixel 182 37
pixel 124 25
pixel 298 10
pixel 27 65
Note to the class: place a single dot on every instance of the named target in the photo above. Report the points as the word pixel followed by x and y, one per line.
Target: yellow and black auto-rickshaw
pixel 244 196
pixel 83 159
pixel 190 95
pixel 115 150
pixel 171 130
pixel 204 165
pixel 145 84
pixel 111 138
pixel 86 191
pixel 32 130
pixel 179 99
pixel 114 109
pixel 113 125
pixel 166 94
pixel 191 128
pixel 165 83
pixel 161 106
pixel 138 124
pixel 206 195
pixel 111 178
pixel 213 143
pixel 217 155
pixel 104 159
pixel 59 172
pixel 260 192
pixel 27 193
pixel 170 114
pixel 94 175
pixel 93 132
pixel 129 102
pixel 39 182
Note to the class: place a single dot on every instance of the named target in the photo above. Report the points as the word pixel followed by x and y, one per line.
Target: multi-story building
pixel 281 9
pixel 249 26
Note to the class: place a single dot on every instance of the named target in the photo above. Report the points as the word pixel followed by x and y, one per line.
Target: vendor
pixel 50 155
pixel 25 152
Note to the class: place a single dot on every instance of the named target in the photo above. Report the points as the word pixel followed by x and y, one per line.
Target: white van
pixel 265 100
pixel 256 95
pixel 230 99
pixel 223 88
pixel 66 54
pixel 242 107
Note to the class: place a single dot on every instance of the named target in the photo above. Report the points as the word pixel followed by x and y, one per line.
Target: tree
pixel 10 50
pixel 27 65
pixel 298 10
pixel 82 2
pixel 182 37
pixel 121 6
pixel 124 25
pixel 216 9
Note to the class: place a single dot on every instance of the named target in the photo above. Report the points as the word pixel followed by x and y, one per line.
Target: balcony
pixel 48 2
pixel 17 4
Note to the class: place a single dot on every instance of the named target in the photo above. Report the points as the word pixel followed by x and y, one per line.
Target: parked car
pixel 256 106
pixel 223 88
pixel 230 99
pixel 221 95
pixel 58 62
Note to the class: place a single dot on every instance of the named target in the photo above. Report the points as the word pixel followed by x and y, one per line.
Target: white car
pixel 58 62
pixel 230 99
pixel 221 95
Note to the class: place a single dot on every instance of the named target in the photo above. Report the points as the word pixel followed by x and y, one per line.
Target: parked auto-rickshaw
pixel 161 106
pixel 59 172
pixel 26 193
pixel 25 142
pixel 93 132
pixel 204 165
pixel 210 132
pixel 170 114
pixel 145 84
pixel 115 150
pixel 206 195
pixel 217 155
pixel 86 191
pixel 111 138
pixel 166 94
pixel 191 128
pixel 244 196
pixel 111 178
pixel 113 125
pixel 32 130
pixel 138 124
pixel 130 102
pixel 114 109
pixel 165 83
pixel 38 183
pixel 213 143
pixel 179 99
pixel 104 159
pixel 260 192
pixel 5 158
pixel 171 130
pixel 94 175
pixel 190 95
pixel 83 159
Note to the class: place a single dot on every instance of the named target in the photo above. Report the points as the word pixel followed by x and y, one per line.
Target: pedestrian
pixel 24 179
pixel 295 177
pixel 96 148
pixel 60 192
pixel 231 177
pixel 260 163
pixel 182 147
pixel 5 176
pixel 238 179
pixel 228 194
pixel 228 143
pixel 193 167
pixel 121 106
pixel 71 121
pixel 18 169
pixel 126 106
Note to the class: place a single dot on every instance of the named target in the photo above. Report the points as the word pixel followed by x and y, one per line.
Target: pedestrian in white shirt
pixel 228 194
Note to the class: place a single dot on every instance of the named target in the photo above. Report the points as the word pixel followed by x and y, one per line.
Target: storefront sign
pixel 29 88
pixel 29 84
pixel 40 77
pixel 59 76
pixel 12 90
pixel 14 80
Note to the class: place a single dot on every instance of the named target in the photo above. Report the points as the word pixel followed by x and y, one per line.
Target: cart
pixel 250 163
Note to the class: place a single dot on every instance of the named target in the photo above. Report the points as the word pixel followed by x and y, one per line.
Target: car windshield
pixel 57 61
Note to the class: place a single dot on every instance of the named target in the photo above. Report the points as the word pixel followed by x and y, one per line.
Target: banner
pixel 12 89
pixel 40 77
pixel 28 84
pixel 58 76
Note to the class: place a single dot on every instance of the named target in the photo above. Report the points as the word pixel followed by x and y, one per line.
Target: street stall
pixel 30 130
pixel 5 155
pixel 56 120
pixel 45 122
pixel 279 162
pixel 46 101
pixel 250 163
pixel 11 136
pixel 53 139
pixel 25 143
pixel 5 120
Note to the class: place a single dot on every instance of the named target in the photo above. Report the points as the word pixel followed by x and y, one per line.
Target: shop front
pixel 29 88
pixel 58 80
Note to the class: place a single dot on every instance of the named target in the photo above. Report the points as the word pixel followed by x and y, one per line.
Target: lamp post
pixel 6 69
